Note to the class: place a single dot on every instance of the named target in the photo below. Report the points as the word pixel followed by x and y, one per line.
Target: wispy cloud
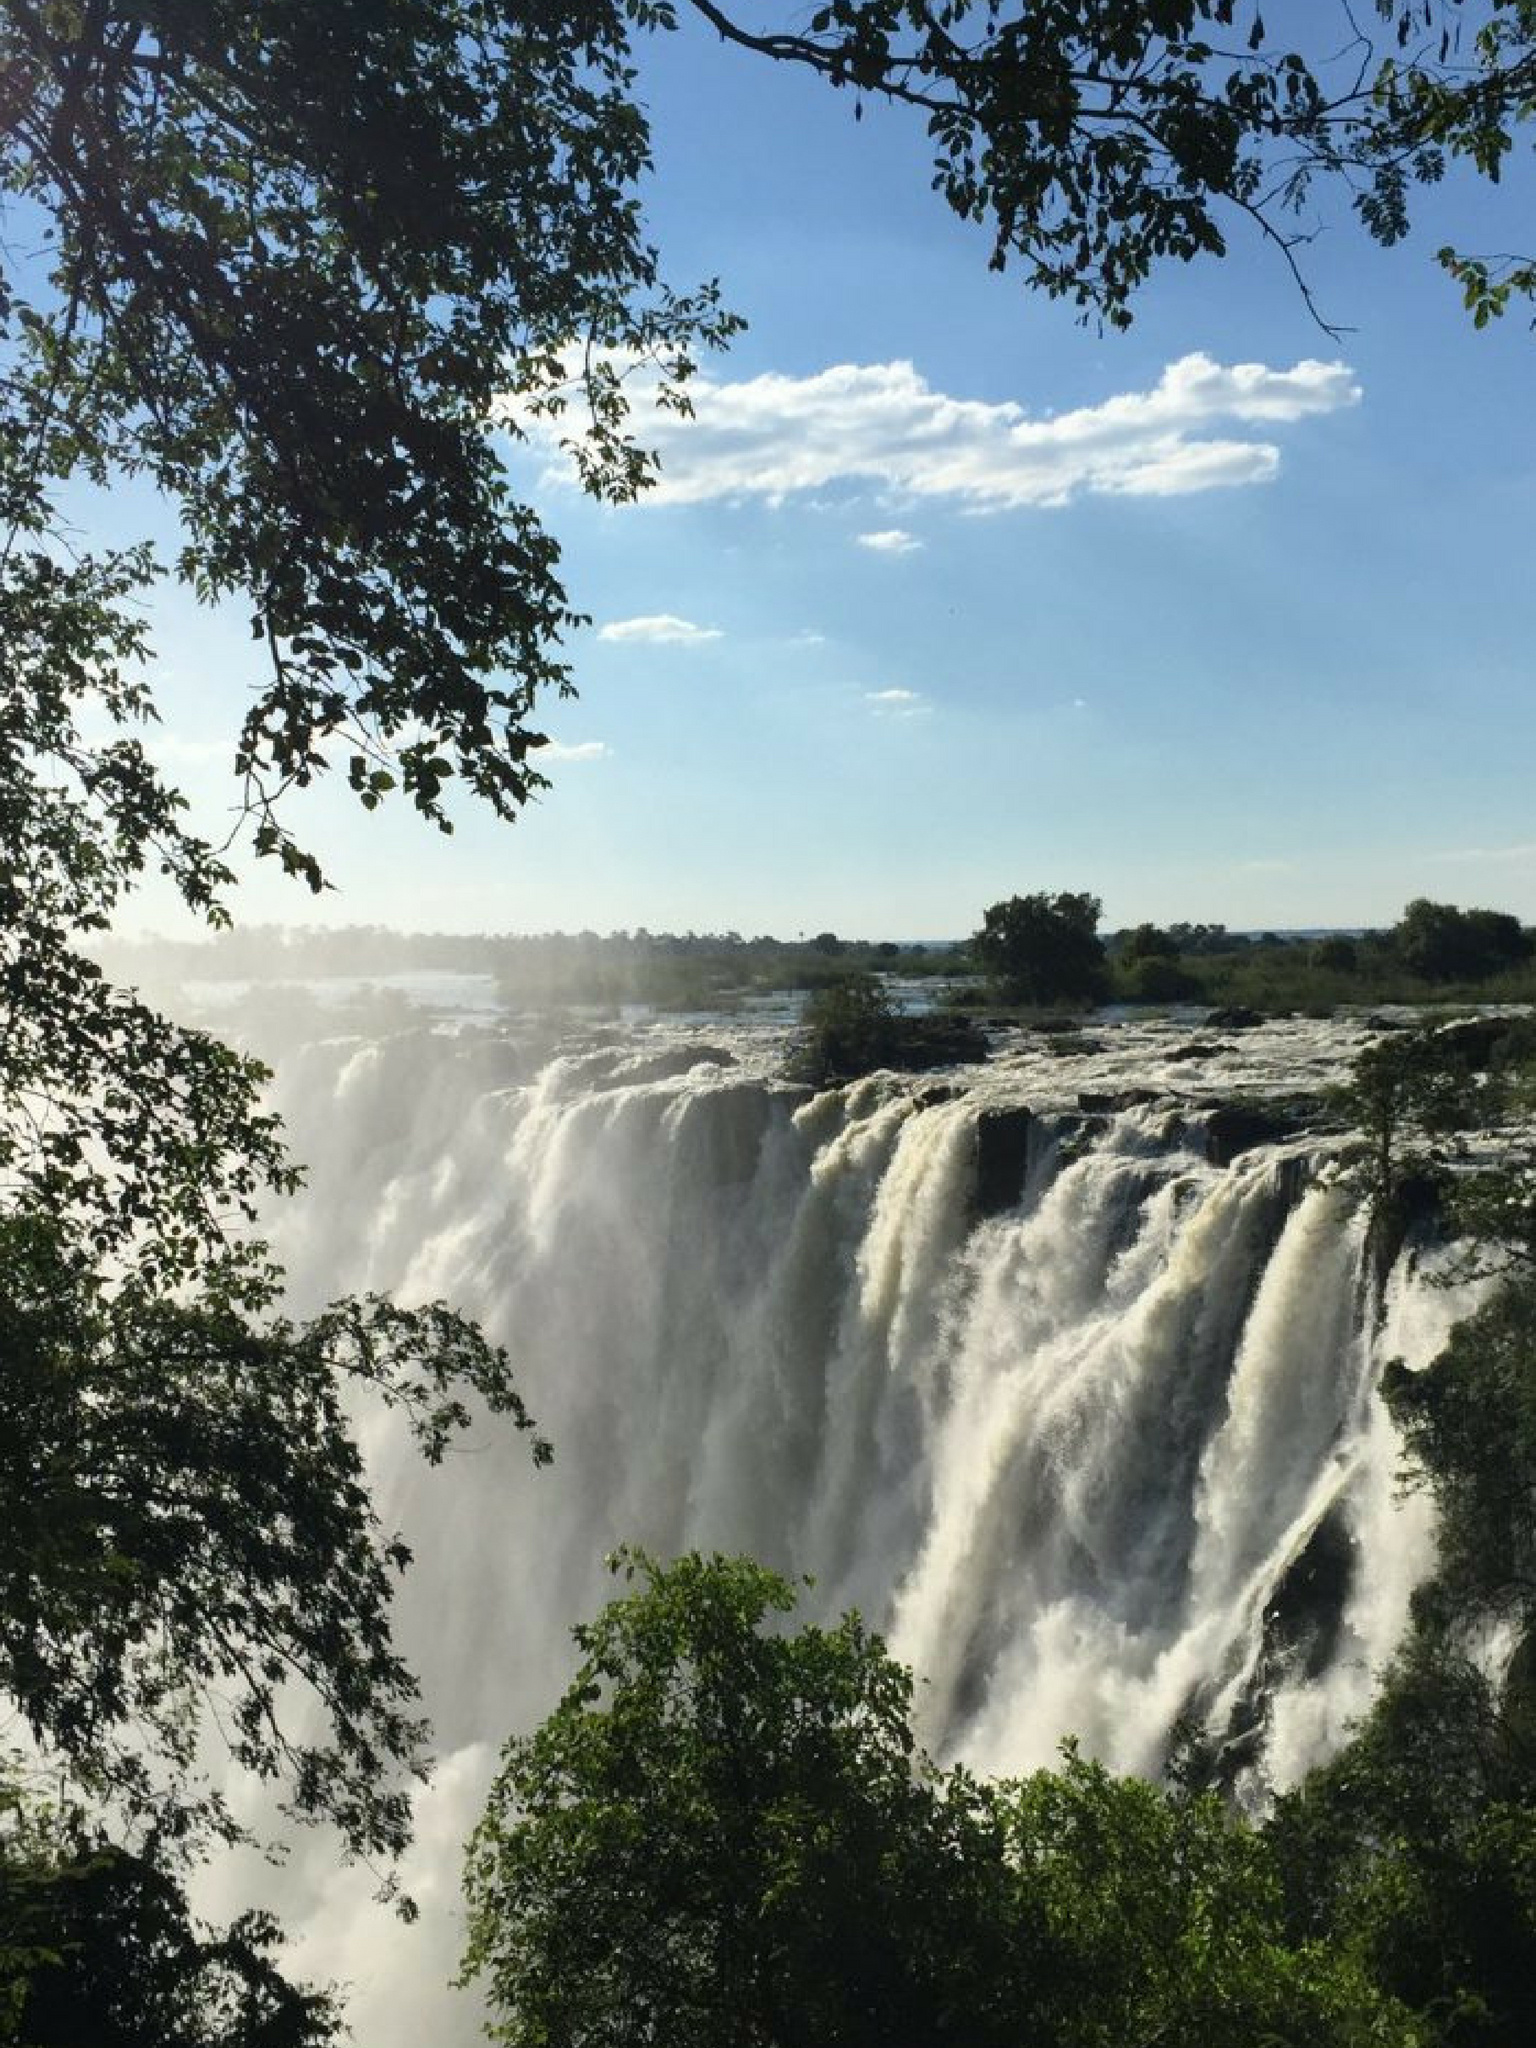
pixel 891 540
pixel 1522 850
pixel 882 426
pixel 660 628
pixel 897 703
pixel 580 750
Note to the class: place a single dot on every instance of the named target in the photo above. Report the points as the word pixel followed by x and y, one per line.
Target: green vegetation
pixel 669 970
pixel 725 1834
pixel 1098 139
pixel 98 1947
pixel 1436 953
pixel 851 1027
pixel 1043 949
pixel 280 265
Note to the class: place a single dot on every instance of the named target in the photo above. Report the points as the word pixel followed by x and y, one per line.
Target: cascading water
pixel 1086 1422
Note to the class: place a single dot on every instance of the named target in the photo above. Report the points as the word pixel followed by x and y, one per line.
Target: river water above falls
pixel 1071 1392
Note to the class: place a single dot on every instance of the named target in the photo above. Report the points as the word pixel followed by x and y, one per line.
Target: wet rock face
pixel 1115 1101
pixel 1002 1157
pixel 1238 1126
pixel 1237 1018
pixel 936 1093
pixel 1303 1624
pixel 1303 1620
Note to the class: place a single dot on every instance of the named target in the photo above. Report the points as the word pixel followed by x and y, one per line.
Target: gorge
pixel 1061 1368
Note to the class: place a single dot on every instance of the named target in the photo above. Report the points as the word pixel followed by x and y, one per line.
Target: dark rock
pixel 1474 1040
pixel 937 1092
pixel 1412 1205
pixel 1112 1104
pixel 1302 1627
pixel 1303 1620
pixel 1073 1048
pixel 1054 1027
pixel 1238 1126
pixel 1198 1049
pixel 920 1043
pixel 1237 1018
pixel 1002 1155
pixel 1378 1022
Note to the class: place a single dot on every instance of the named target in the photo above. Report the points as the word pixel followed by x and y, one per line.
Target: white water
pixel 1065 1455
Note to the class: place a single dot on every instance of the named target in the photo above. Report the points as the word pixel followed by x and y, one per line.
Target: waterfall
pixel 1097 1452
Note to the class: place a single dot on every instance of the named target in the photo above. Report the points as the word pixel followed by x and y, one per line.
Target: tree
pixel 101 1947
pixel 726 1834
pixel 848 1028
pixel 1146 942
pixel 1100 138
pixel 1043 948
pixel 1418 1842
pixel 1441 943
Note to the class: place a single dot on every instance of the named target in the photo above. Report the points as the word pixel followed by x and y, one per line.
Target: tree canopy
pixel 726 1834
pixel 1043 948
pixel 1442 943
pixel 1099 139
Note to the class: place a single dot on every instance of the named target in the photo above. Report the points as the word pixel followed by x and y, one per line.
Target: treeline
pixel 1435 951
pixel 1047 949
pixel 670 970
pixel 1032 949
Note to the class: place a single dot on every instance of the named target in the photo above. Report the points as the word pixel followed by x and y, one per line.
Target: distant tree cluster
pixel 1043 948
pixel 1441 943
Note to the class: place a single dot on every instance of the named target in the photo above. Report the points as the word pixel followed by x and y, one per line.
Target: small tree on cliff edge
pixel 1043 948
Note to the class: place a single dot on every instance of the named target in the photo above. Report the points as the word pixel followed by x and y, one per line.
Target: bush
pixel 1043 948
pixel 1156 979
pixel 849 1028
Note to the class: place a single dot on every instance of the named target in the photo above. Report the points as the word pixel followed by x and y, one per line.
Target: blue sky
pixel 946 597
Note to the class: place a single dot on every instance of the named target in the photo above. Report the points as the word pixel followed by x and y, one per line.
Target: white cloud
pixel 883 426
pixel 891 541
pixel 659 627
pixel 1521 851
pixel 898 703
pixel 581 750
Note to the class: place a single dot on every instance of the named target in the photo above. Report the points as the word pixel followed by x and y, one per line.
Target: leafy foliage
pixel 188 1533
pixel 848 1028
pixel 1098 139
pixel 1418 1843
pixel 99 1946
pixel 1043 948
pixel 1441 943
pixel 310 274
pixel 726 1834
pixel 302 259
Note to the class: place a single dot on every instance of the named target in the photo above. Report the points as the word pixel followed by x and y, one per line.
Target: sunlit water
pixel 1068 1454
